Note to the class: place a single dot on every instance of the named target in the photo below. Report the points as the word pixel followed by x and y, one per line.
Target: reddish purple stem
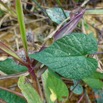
pixel 70 26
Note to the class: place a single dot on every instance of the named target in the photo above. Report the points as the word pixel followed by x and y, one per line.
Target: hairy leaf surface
pixel 68 56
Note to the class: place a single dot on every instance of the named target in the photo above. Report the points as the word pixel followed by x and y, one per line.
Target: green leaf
pixel 57 15
pixel 9 97
pixel 54 87
pixel 94 80
pixel 97 75
pixel 28 91
pixel 9 66
pixel 94 83
pixel 20 15
pixel 98 95
pixel 67 56
pixel 1 13
pixel 77 0
pixel 77 89
pixel 46 89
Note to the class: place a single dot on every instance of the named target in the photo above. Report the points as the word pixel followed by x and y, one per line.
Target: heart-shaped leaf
pixel 54 87
pixel 67 56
